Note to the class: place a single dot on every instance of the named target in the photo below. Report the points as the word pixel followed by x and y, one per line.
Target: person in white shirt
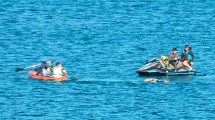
pixel 58 70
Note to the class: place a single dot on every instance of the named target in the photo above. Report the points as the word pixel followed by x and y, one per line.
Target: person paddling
pixel 187 57
pixel 58 70
pixel 173 58
pixel 44 70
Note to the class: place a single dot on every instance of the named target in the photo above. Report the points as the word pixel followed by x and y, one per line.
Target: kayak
pixel 158 67
pixel 32 74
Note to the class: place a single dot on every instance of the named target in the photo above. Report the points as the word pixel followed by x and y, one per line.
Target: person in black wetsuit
pixel 187 57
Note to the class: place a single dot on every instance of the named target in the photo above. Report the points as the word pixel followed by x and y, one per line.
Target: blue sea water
pixel 103 43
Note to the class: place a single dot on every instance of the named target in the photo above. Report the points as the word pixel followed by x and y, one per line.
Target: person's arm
pixel 191 53
pixel 64 72
pixel 171 58
pixel 182 56
pixel 178 57
pixel 50 69
pixel 36 69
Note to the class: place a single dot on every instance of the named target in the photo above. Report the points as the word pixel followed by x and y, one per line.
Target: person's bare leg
pixel 185 63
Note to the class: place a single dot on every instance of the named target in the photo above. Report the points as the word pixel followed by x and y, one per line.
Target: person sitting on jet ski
pixel 173 58
pixel 187 57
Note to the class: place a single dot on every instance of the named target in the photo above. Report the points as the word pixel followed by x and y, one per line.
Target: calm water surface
pixel 102 43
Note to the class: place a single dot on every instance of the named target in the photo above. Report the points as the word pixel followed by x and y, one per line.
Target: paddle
pixel 20 69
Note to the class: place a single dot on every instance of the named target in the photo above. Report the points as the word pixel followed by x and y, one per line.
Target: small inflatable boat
pixel 32 74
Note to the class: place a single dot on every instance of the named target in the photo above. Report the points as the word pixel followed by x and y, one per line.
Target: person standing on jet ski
pixel 187 57
pixel 173 58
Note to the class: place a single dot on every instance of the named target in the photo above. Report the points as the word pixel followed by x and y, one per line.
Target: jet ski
pixel 161 67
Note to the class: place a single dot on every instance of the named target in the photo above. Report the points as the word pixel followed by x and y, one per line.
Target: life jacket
pixel 57 72
pixel 187 54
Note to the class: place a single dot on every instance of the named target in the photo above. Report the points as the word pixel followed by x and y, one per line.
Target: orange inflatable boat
pixel 33 74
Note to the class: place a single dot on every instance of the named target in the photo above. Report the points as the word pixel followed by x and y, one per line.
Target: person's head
pixel 174 50
pixel 186 47
pixel 190 48
pixel 43 64
pixel 58 64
